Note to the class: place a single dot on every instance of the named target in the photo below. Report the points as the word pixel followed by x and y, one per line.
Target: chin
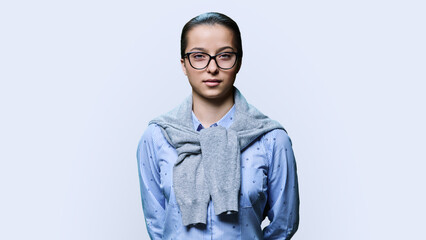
pixel 213 93
pixel 210 95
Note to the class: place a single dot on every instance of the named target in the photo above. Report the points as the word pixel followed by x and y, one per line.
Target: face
pixel 211 82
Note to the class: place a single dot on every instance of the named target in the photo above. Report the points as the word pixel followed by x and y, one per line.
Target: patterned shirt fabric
pixel 269 187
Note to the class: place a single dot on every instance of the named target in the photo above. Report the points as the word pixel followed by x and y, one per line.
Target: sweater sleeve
pixel 153 201
pixel 283 190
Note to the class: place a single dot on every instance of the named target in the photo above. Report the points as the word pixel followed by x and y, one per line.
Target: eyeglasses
pixel 200 60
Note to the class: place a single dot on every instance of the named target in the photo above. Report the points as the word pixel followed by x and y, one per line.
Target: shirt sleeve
pixel 153 201
pixel 283 190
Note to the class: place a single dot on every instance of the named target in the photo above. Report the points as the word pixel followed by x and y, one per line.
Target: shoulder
pixel 276 139
pixel 153 136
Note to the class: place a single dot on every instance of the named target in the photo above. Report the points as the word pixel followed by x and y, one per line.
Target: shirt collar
pixel 225 121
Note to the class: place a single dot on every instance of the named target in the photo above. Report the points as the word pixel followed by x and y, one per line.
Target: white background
pixel 81 79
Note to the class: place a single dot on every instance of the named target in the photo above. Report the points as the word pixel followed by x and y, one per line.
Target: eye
pixel 225 56
pixel 198 56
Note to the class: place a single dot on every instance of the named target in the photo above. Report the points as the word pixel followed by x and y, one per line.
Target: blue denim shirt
pixel 269 187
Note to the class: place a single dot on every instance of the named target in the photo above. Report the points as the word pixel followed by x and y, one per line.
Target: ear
pixel 182 62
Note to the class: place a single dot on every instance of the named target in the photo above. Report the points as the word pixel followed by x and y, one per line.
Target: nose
pixel 212 67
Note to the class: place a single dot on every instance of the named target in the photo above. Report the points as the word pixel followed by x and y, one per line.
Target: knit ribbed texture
pixel 208 163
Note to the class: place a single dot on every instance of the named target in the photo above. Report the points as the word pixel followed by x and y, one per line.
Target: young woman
pixel 214 167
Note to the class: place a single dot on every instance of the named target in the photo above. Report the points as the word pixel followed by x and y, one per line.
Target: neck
pixel 209 111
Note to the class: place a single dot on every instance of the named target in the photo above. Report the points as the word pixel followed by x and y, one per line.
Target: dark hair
pixel 211 18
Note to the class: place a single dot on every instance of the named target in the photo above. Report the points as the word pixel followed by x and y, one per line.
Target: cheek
pixel 194 73
pixel 193 76
pixel 231 75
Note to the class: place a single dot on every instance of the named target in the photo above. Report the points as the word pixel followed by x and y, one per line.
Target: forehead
pixel 210 37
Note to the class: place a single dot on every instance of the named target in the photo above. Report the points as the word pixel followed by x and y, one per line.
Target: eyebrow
pixel 203 49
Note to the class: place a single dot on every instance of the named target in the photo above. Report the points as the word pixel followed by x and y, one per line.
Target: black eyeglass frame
pixel 212 57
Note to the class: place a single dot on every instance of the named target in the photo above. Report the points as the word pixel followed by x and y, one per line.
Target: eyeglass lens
pixel 201 60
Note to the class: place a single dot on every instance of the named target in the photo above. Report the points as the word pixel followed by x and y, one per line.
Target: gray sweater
pixel 208 163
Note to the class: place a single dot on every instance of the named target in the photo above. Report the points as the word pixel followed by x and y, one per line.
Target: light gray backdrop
pixel 81 79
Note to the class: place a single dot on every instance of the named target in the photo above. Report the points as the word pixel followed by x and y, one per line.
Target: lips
pixel 212 82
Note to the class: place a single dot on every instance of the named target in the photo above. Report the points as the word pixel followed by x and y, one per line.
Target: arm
pixel 149 179
pixel 283 190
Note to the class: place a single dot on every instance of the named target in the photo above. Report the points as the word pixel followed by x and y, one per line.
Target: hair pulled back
pixel 211 18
